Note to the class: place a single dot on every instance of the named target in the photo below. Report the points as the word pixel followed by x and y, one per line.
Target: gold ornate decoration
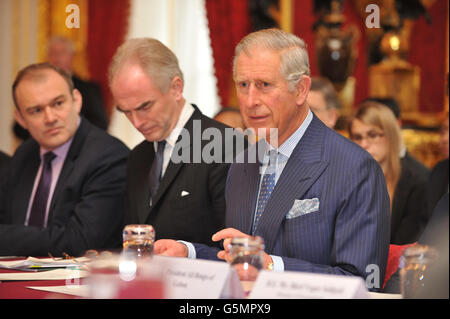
pixel 394 76
pixel 336 53
pixel 423 145
pixel 52 22
pixel 286 15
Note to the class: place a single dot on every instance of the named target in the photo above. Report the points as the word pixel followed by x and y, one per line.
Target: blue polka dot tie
pixel 267 185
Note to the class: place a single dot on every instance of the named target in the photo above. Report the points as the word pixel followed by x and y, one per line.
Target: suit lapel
pixel 140 194
pixel 293 184
pixel 69 164
pixel 240 214
pixel 400 196
pixel 174 168
pixel 303 168
pixel 252 176
pixel 26 185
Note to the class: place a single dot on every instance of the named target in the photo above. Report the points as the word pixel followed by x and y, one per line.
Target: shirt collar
pixel 285 150
pixel 61 151
pixel 185 114
pixel 403 151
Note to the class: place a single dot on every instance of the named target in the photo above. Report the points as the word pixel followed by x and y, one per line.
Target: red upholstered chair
pixel 395 252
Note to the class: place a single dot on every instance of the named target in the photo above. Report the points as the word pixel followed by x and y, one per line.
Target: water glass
pixel 415 264
pixel 139 239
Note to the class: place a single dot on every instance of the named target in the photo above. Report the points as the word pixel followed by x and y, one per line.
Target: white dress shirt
pixel 185 115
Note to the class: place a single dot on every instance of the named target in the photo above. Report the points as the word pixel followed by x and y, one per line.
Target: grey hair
pixel 326 88
pixel 293 52
pixel 70 45
pixel 157 60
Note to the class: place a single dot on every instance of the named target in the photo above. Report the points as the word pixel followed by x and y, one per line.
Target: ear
pixel 77 100
pixel 19 118
pixel 335 114
pixel 302 89
pixel 176 87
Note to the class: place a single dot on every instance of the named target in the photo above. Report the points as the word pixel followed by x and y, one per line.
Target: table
pixel 19 290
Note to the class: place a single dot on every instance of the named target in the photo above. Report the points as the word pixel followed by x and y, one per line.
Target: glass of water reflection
pixel 246 257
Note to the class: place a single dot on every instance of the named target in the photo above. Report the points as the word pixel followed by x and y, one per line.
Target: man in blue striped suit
pixel 318 200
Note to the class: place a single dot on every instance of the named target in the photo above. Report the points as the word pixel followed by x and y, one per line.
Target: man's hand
pixel 169 247
pixel 227 234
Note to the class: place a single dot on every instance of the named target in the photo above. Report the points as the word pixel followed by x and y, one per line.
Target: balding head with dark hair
pixel 37 72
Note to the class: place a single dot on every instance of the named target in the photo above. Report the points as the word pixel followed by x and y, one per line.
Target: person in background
pixel 438 184
pixel 230 116
pixel 407 158
pixel 375 128
pixel 61 52
pixel 323 101
pixel 64 191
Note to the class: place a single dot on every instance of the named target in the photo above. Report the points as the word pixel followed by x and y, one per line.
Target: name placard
pixel 299 285
pixel 199 279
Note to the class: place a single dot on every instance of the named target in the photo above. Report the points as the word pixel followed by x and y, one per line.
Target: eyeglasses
pixel 91 254
pixel 371 137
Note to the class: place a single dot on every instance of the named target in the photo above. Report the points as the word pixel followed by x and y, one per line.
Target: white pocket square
pixel 302 207
pixel 184 193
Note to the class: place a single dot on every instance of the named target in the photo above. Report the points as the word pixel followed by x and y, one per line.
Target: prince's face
pixel 264 95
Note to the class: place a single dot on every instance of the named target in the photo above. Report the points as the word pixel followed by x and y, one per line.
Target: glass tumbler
pixel 246 257
pixel 139 239
pixel 415 263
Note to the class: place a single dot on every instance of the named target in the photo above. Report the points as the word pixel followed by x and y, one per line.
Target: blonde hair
pixel 293 54
pixel 157 60
pixel 380 116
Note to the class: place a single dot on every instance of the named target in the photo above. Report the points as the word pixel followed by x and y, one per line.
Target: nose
pixel 135 120
pixel 253 96
pixel 49 115
pixel 364 144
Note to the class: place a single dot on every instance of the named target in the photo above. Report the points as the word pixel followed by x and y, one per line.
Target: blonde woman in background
pixel 375 128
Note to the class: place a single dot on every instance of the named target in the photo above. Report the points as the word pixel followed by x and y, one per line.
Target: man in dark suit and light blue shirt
pixel 324 205
pixel 64 189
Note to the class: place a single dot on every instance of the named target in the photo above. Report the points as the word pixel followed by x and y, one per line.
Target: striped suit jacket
pixel 351 228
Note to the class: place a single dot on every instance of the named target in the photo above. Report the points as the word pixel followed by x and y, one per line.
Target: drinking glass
pixel 123 276
pixel 415 263
pixel 139 239
pixel 246 257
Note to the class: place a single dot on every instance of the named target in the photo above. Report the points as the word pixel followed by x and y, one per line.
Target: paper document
pixel 55 274
pixel 32 263
pixel 75 290
pixel 378 295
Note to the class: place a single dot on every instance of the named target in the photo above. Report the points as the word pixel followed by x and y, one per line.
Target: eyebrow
pixel 140 106
pixel 51 102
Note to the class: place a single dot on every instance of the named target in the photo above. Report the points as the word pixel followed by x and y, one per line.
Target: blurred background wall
pixel 405 57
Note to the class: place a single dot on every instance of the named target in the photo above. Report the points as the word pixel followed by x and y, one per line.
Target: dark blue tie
pixel 267 185
pixel 156 169
pixel 37 214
